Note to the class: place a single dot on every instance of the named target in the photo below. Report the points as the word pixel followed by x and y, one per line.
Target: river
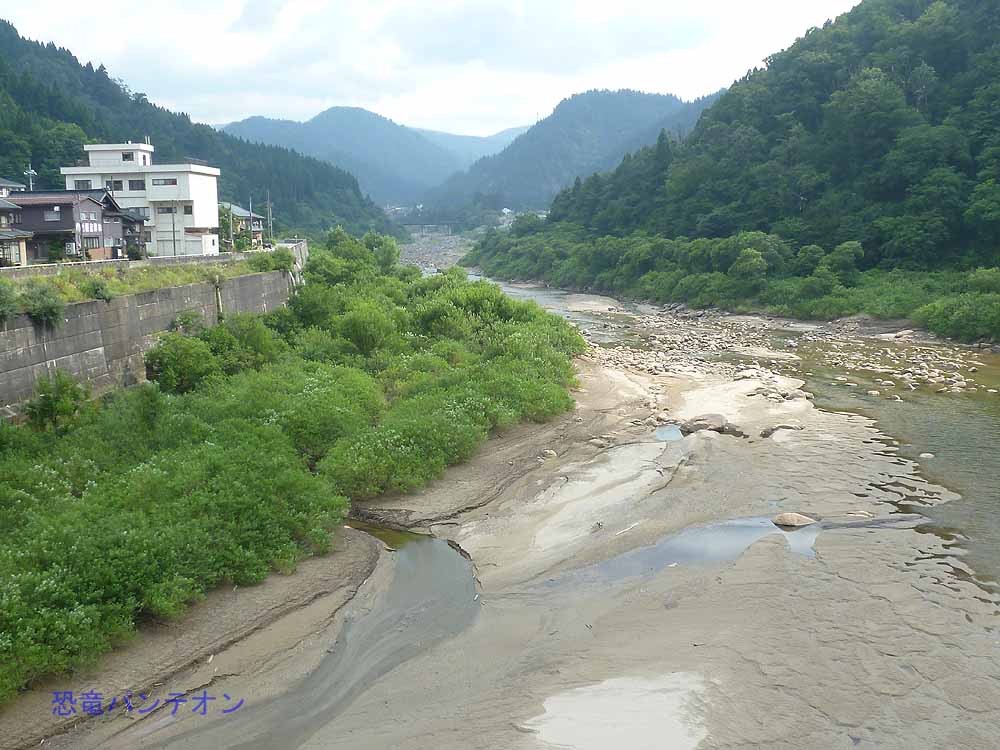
pixel 632 589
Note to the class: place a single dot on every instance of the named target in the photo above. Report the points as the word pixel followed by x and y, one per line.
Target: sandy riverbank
pixel 632 587
pixel 233 631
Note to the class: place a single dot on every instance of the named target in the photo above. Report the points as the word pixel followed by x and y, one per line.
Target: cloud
pixel 474 66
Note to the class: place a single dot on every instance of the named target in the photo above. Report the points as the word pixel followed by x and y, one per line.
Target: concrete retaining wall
pixel 102 343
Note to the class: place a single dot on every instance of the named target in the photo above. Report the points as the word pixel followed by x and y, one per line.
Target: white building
pixel 180 202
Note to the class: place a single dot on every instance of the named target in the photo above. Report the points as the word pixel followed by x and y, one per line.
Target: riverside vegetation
pixel 245 453
pixel 858 172
pixel 750 270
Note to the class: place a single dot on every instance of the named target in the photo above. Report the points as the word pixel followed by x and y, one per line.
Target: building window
pixel 128 156
pixel 136 184
pixel 147 236
pixel 165 210
pixel 52 215
pixel 15 218
pixel 165 181
pixel 91 243
pixel 10 253
pixel 82 184
pixel 113 184
pixel 188 210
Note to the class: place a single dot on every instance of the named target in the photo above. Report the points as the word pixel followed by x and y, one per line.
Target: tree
pixel 748 271
pixel 843 262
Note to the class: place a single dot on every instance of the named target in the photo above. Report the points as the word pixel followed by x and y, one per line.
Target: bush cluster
pixel 241 457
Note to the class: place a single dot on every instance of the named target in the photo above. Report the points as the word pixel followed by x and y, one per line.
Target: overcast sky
pixel 467 67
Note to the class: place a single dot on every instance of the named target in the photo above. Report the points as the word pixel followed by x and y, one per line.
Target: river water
pixel 962 430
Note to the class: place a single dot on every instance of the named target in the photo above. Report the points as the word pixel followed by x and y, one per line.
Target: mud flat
pixel 615 578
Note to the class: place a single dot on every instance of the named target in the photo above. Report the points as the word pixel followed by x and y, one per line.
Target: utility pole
pixel 232 247
pixel 173 227
pixel 270 219
pixel 250 220
pixel 31 174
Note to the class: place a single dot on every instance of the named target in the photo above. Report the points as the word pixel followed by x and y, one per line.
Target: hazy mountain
pixel 393 163
pixel 586 133
pixel 471 148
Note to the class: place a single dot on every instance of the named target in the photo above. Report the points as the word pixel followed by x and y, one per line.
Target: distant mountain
pixel 471 148
pixel 393 163
pixel 50 105
pixel 586 133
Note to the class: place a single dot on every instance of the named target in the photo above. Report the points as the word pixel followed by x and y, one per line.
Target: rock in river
pixel 792 520
pixel 713 422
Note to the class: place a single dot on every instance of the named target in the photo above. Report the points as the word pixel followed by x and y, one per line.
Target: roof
pixel 132 168
pixel 119 147
pixel 6 205
pixel 57 197
pixel 238 210
pixel 14 234
pixel 100 195
pixel 11 184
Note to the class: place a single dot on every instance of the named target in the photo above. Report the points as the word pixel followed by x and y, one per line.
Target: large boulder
pixel 711 422
pixel 792 520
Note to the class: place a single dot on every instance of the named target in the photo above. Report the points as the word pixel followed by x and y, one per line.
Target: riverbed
pixel 609 579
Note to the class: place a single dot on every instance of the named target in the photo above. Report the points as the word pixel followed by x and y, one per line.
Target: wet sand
pixel 629 587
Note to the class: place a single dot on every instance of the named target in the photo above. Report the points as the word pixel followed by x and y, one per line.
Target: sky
pixel 473 67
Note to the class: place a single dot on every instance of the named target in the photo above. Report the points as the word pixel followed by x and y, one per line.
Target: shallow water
pixel 961 430
pixel 638 713
pixel 668 433
pixel 432 596
pixel 697 545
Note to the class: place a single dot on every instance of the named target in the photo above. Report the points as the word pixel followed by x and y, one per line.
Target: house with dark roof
pixel 244 221
pixel 9 186
pixel 13 239
pixel 76 224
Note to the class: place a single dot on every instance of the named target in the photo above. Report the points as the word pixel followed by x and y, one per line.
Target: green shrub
pixel 8 301
pixel 57 402
pixel 180 363
pixel 367 327
pixel 969 317
pixel 274 260
pixel 189 321
pixel 243 342
pixel 42 302
pixel 96 287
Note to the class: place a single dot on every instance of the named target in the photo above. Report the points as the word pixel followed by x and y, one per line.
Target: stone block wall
pixel 102 343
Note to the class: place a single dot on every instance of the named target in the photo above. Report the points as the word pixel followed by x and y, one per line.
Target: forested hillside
pixel 858 172
pixel 586 133
pixel 50 105
pixel 881 128
pixel 393 163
